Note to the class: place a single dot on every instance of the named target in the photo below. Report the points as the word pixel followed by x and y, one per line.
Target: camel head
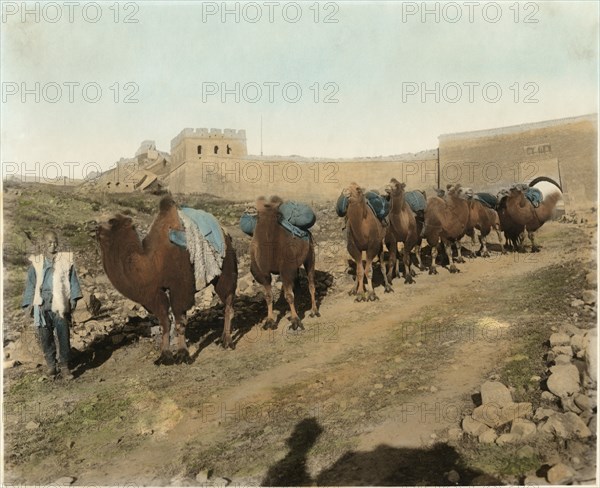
pixel 467 193
pixel 262 204
pixel 394 187
pixel 354 192
pixel 106 231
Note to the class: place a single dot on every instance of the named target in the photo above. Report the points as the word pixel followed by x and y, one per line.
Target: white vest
pixel 61 283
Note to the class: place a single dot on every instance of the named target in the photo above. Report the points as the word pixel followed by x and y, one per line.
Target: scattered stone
pixel 65 480
pixel 202 477
pixel 549 397
pixel 453 477
pixel 522 428
pixel 586 474
pixel 564 380
pixel 559 339
pixel 378 386
pixel 589 297
pixel 31 425
pixel 533 480
pixel 592 278
pixel 566 425
pixel 562 350
pixel 578 342
pixel 543 413
pixel 473 427
pixel 593 424
pixel 591 355
pixel 507 439
pixel 560 474
pixel 562 359
pixel 569 405
pixel 494 416
pixel 584 402
pixel 433 389
pixel 577 303
pixel 489 436
pixel 495 392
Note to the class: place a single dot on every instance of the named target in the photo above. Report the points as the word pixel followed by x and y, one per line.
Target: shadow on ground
pixel 383 466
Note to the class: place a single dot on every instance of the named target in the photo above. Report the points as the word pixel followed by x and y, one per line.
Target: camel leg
pixel 166 356
pixel 418 250
pixel 502 243
pixel 360 277
pixel 408 276
pixel 448 247
pixel 434 253
pixel 270 322
pixel 288 283
pixel 459 257
pixel 534 248
pixel 483 250
pixel 309 266
pixel 388 278
pixel 225 288
pixel 357 256
pixel 370 295
pixel 392 262
pixel 182 355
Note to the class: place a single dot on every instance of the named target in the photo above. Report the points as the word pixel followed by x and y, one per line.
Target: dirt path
pixel 396 374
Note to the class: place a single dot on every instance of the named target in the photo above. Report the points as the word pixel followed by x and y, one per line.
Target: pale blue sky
pixel 368 54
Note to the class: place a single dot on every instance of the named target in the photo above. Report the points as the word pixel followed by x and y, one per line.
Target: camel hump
pixel 166 204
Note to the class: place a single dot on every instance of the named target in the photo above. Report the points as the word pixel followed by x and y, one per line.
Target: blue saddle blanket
pixel 535 196
pixel 378 204
pixel 416 200
pixel 294 217
pixel 207 225
pixel 487 199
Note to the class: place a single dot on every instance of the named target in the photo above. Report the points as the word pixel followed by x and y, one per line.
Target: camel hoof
pixel 269 324
pixel 486 254
pixel 296 324
pixel 535 249
pixel 165 359
pixel 371 297
pixel 360 298
pixel 433 271
pixel 453 269
pixel 459 259
pixel 227 342
pixel 413 273
pixel 408 280
pixel 388 289
pixel 314 313
pixel 352 292
pixel 182 356
pixel 422 268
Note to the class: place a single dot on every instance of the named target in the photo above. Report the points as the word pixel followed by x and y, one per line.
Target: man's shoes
pixel 50 371
pixel 65 373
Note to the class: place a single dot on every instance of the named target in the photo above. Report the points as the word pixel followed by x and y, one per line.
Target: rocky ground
pixel 485 377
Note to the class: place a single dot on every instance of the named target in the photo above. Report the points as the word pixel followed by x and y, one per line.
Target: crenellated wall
pixel 197 144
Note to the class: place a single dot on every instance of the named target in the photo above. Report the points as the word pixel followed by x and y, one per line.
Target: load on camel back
pixel 204 240
pixel 295 217
pixel 376 202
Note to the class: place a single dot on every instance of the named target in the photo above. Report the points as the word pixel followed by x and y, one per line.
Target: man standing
pixel 51 294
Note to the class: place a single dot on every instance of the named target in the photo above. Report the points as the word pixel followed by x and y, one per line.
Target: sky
pixel 86 83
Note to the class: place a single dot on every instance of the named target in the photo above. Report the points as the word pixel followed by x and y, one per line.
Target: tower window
pixel 199 149
pixel 228 149
pixel 216 149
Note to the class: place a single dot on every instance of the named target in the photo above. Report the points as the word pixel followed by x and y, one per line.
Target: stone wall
pixel 313 180
pixel 489 160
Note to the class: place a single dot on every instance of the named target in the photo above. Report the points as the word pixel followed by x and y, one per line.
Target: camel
pixel 518 215
pixel 158 274
pixel 483 219
pixel 274 250
pixel 403 228
pixel 366 233
pixel 446 220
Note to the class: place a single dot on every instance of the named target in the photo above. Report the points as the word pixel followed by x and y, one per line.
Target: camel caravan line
pixel 187 249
